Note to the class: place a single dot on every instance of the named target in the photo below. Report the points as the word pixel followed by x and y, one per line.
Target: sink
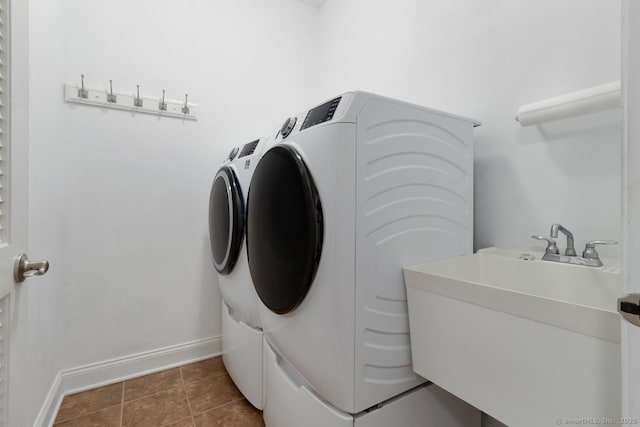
pixel 527 341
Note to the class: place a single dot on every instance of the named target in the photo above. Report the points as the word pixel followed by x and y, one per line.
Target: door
pixel 284 229
pixel 630 338
pixel 226 220
pixel 13 209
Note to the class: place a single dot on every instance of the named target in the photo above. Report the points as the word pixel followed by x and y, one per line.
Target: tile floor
pixel 197 395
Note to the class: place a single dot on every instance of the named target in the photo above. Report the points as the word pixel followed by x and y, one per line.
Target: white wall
pixel 124 198
pixel 484 59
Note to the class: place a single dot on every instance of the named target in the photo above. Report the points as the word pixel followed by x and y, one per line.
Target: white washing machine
pixel 351 191
pixel 241 328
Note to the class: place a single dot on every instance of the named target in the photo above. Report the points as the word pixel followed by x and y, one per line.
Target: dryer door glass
pixel 284 229
pixel 226 220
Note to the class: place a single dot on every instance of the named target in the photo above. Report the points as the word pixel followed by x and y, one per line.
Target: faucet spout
pixel 570 251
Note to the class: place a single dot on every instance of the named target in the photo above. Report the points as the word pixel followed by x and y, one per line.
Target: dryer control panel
pixel 321 113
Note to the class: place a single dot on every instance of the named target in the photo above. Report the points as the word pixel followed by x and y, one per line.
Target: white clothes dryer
pixel 351 191
pixel 241 329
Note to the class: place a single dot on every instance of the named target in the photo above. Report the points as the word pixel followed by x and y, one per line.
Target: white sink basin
pixel 528 342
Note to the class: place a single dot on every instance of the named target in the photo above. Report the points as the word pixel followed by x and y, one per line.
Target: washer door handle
pixel 24 268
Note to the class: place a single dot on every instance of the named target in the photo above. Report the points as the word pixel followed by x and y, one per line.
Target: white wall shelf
pixel 99 98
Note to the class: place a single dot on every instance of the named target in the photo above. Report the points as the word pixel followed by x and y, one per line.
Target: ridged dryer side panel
pixel 414 203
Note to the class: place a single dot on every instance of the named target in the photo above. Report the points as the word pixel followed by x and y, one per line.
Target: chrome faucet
pixel 570 250
pixel 590 256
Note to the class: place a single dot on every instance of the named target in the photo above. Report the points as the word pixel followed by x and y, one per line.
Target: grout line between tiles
pixel 152 394
pixel 122 406
pixel 225 373
pixel 84 415
pixel 220 406
pixel 122 401
pixel 155 394
pixel 208 378
pixel 173 422
pixel 193 419
pixel 208 375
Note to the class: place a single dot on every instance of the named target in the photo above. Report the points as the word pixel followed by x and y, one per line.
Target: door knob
pixel 24 268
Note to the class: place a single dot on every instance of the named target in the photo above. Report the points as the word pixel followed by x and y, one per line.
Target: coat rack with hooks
pixel 106 98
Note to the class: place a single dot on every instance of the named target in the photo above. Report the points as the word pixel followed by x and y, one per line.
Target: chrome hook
pixel 110 96
pixel 137 101
pixel 185 108
pixel 82 92
pixel 162 105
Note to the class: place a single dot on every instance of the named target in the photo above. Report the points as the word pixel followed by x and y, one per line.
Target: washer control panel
pixel 249 148
pixel 321 113
pixel 233 153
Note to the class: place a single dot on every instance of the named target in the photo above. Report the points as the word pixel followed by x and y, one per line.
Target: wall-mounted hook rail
pixel 129 102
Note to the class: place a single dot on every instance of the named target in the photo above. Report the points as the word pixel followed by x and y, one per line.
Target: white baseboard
pixel 115 370
pixel 49 408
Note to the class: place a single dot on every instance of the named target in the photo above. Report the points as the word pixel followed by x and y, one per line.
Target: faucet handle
pixel 552 247
pixel 590 248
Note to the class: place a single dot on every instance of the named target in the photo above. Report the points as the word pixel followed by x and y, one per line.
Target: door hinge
pixel 629 308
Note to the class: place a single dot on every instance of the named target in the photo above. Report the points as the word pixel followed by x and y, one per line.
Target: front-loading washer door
pixel 226 220
pixel 284 229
